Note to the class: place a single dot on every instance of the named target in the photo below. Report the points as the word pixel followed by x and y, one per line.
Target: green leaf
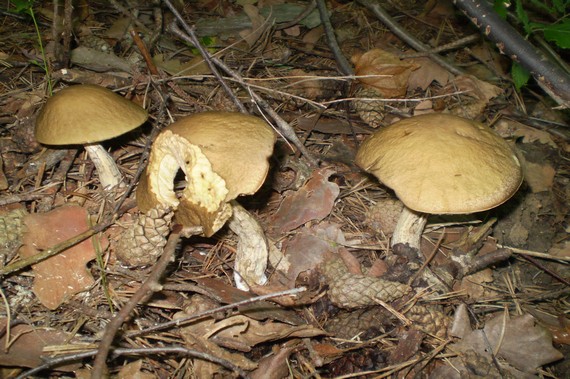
pixel 500 6
pixel 522 16
pixel 561 6
pixel 520 75
pixel 558 33
pixel 23 6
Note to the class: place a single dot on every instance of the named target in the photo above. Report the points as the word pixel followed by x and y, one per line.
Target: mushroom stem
pixel 252 250
pixel 409 228
pixel 109 174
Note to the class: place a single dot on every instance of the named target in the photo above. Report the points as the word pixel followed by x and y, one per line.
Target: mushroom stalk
pixel 252 250
pixel 409 228
pixel 109 174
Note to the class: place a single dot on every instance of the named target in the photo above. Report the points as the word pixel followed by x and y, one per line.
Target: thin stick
pixel 387 20
pixel 535 253
pixel 21 264
pixel 284 128
pixel 150 286
pixel 344 66
pixel 56 361
pixel 185 320
pixel 193 39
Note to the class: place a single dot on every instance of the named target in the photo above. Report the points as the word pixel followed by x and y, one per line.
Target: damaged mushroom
pixel 86 115
pixel 440 164
pixel 223 155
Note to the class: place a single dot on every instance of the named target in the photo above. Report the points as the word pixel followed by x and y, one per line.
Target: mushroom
pixel 223 155
pixel 85 115
pixel 440 164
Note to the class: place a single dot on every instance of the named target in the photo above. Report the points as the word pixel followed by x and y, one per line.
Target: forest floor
pixel 338 300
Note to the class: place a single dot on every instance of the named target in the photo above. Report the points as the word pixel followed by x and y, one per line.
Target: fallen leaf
pixel 27 343
pixel 63 275
pixel 539 177
pixel 309 247
pixel 195 66
pixel 133 370
pixel 274 366
pixel 428 72
pixel 508 128
pixel 388 74
pixel 519 340
pixel 260 310
pixel 258 25
pixel 313 201
pixel 476 286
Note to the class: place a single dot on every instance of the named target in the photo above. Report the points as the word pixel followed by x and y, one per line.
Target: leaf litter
pixel 328 232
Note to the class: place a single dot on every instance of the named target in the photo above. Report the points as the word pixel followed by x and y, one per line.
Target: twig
pixel 344 66
pixel 55 249
pixel 150 286
pixel 550 272
pixel 284 128
pixel 443 48
pixel 56 361
pixel 185 320
pixel 193 39
pixel 381 13
pixel 535 253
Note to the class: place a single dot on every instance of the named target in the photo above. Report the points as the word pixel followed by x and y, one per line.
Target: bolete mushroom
pixel 440 164
pixel 223 155
pixel 86 115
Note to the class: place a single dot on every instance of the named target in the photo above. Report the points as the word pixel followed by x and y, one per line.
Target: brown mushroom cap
pixel 222 154
pixel 84 114
pixel 237 146
pixel 442 164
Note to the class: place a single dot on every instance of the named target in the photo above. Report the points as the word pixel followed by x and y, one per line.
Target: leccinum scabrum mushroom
pixel 440 164
pixel 86 115
pixel 223 155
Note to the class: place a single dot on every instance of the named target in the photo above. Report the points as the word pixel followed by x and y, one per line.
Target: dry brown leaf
pixel 476 287
pixel 539 177
pixel 133 370
pixel 259 310
pixel 390 74
pixel 530 135
pixel 313 201
pixel 305 84
pixel 27 344
pixel 242 333
pixel 475 97
pixel 309 247
pixel 519 340
pixel 257 25
pixel 428 72
pixel 195 66
pixel 63 275
pixel 274 366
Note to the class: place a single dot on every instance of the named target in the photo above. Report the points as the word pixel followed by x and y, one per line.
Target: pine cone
pixel 370 111
pixel 364 323
pixel 142 243
pixel 430 320
pixel 10 232
pixel 347 290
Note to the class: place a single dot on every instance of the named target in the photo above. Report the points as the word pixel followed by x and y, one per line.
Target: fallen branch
pixel 550 77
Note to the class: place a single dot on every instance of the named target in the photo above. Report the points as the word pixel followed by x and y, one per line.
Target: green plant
pixel 26 7
pixel 557 33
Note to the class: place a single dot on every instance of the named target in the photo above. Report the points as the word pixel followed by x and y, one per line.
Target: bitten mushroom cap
pixel 84 114
pixel 222 154
pixel 237 146
pixel 442 164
